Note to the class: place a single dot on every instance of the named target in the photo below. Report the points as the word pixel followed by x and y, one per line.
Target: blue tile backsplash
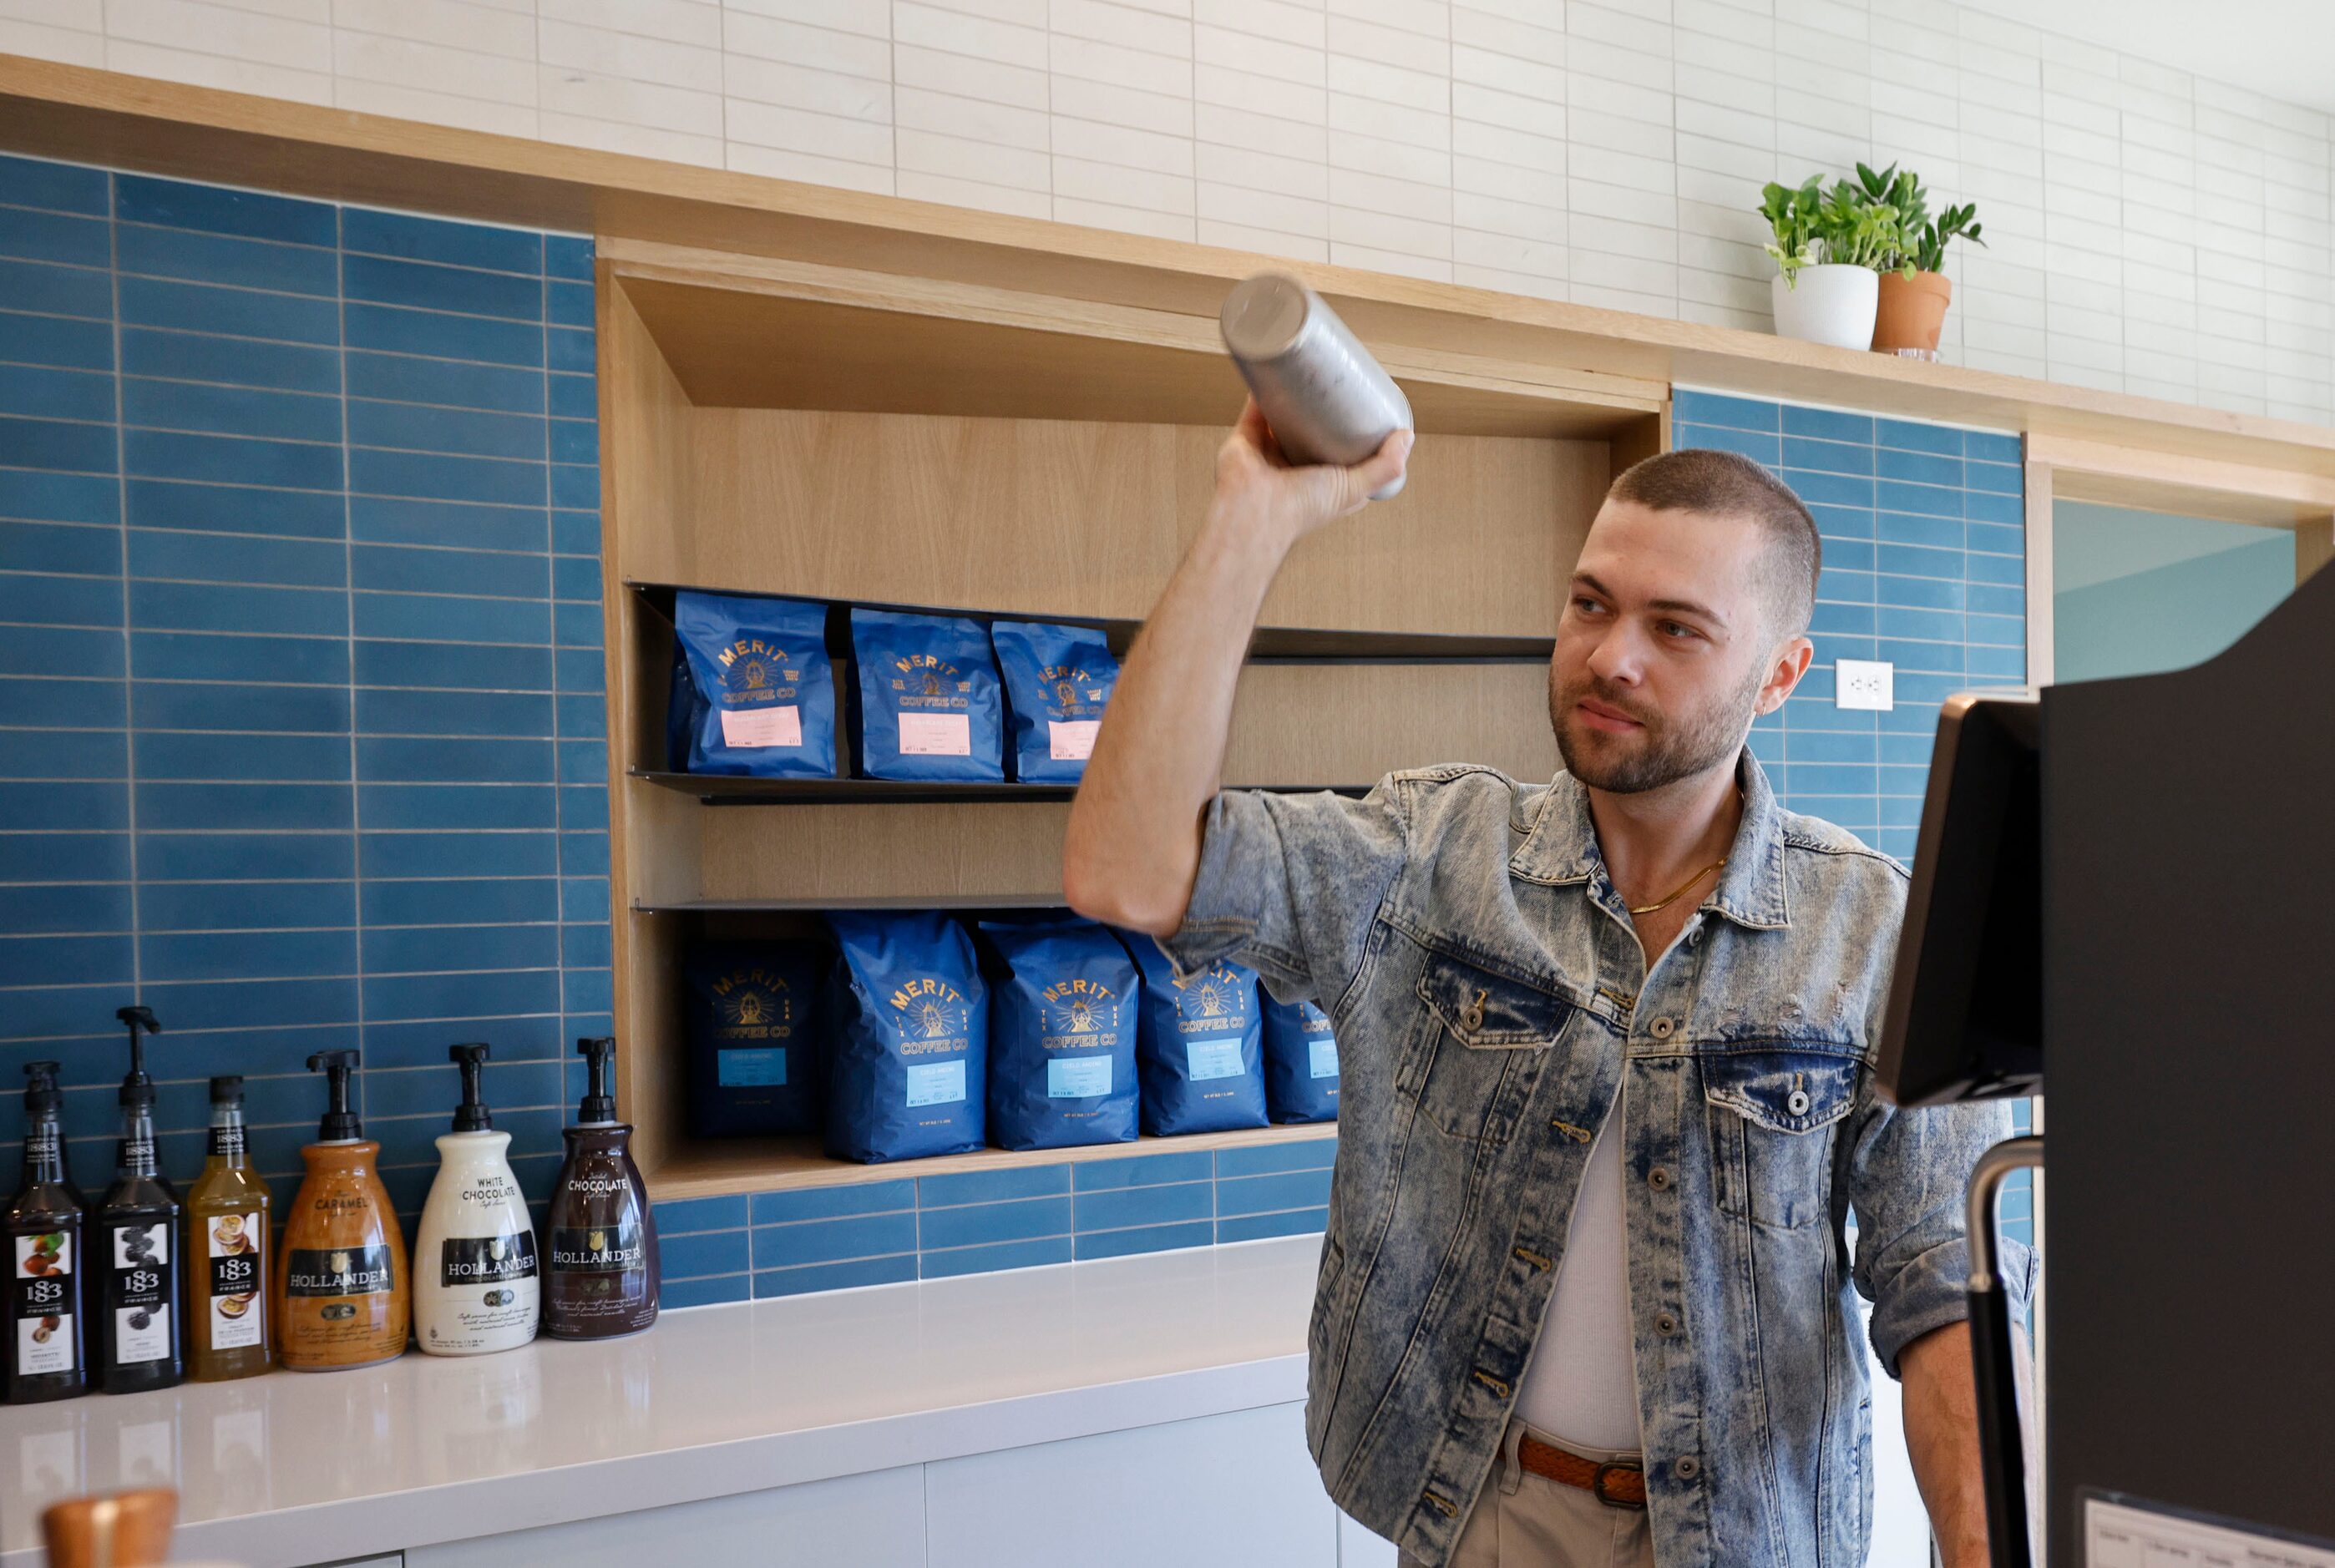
pixel 301 728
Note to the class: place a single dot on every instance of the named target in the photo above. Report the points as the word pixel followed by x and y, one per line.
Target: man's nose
pixel 1618 658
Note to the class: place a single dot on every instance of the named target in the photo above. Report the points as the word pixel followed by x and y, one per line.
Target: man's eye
pixel 1680 626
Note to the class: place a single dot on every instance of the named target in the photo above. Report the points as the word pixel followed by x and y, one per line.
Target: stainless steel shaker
pixel 1327 400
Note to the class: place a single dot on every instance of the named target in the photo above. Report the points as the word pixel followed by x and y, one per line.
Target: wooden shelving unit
pixel 940 443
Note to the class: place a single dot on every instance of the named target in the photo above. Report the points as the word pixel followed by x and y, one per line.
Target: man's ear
pixel 1786 666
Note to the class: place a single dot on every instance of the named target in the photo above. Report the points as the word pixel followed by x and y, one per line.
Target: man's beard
pixel 1662 751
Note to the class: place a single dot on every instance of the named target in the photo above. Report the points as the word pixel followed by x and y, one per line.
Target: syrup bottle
pixel 41 1233
pixel 135 1231
pixel 477 1290
pixel 226 1252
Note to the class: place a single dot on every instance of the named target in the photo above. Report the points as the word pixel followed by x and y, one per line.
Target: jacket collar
pixel 1562 847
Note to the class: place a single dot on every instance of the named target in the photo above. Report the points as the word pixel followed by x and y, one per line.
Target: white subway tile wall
pixel 2148 231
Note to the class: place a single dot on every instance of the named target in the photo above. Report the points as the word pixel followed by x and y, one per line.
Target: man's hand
pixel 1258 488
pixel 1133 846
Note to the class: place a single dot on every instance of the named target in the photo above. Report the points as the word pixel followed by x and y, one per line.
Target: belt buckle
pixel 1598 1483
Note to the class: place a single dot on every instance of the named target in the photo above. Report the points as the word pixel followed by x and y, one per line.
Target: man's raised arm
pixel 1133 847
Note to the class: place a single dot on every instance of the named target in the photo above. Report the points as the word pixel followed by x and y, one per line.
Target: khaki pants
pixel 1527 1521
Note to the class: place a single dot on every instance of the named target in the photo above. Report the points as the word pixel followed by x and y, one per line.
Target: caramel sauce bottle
pixel 44 1356
pixel 342 1291
pixel 226 1252
pixel 602 1279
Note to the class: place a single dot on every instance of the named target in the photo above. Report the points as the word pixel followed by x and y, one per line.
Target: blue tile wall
pixel 1924 565
pixel 732 1249
pixel 301 734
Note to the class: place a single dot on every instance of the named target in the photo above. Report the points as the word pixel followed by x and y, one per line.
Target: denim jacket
pixel 1488 994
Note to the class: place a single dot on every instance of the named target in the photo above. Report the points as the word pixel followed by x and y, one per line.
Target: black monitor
pixel 1965 1017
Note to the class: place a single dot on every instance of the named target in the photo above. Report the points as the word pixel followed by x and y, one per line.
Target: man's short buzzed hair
pixel 1728 484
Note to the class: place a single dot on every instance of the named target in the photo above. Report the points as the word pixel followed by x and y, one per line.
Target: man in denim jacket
pixel 1607 1044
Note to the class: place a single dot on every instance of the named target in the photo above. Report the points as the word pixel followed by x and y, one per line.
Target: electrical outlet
pixel 1866 683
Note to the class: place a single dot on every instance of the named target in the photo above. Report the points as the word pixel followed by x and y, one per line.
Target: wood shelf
pixel 967 904
pixel 723 790
pixel 711 1167
pixel 1269 646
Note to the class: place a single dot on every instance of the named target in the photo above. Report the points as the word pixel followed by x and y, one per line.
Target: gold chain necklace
pixel 1657 904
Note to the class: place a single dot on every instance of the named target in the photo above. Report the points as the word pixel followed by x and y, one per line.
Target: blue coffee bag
pixel 753 1040
pixel 1198 1049
pixel 759 689
pixel 1301 1062
pixel 910 1039
pixel 1057 680
pixel 1062 1036
pixel 930 707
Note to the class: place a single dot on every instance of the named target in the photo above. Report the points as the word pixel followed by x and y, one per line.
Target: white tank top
pixel 1581 1383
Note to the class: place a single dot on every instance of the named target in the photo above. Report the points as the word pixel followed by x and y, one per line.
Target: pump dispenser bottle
pixel 140 1336
pixel 226 1252
pixel 340 1295
pixel 477 1289
pixel 602 1269
pixel 44 1356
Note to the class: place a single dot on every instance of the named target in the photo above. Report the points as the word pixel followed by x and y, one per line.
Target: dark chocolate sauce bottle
pixel 602 1279
pixel 135 1234
pixel 45 1355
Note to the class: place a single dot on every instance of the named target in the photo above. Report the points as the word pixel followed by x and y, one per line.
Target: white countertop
pixel 292 1468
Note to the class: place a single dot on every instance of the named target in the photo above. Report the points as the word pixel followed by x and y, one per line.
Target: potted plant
pixel 1913 294
pixel 1827 244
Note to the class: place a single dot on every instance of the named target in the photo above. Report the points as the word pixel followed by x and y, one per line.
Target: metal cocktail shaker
pixel 1327 400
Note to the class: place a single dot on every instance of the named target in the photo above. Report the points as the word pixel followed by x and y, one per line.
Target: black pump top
pixel 599 1105
pixel 227 1089
pixel 41 1088
pixel 340 1124
pixel 141 1023
pixel 470 1116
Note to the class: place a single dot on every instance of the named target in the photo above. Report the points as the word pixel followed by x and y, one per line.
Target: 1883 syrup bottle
pixel 40 1246
pixel 135 1236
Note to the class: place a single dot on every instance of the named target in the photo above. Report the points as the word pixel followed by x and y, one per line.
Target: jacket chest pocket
pixel 1773 1113
pixel 1482 1041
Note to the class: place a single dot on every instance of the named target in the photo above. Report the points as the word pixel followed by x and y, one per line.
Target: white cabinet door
pixel 871 1521
pixel 1238 1488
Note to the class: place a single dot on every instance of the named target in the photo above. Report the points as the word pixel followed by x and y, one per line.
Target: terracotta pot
pixel 1912 310
pixel 1830 303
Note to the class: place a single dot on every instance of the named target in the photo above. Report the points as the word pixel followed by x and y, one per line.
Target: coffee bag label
pixel 761 727
pixel 1207 1059
pixel 1077 1077
pixel 1072 740
pixel 336 1272
pixel 41 1302
pixel 936 1082
pixel 1321 1058
pixel 236 1299
pixel 935 735
pixel 759 1066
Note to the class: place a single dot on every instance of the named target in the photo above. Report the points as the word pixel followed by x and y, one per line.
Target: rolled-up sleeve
pixel 1289 884
pixel 1908 1172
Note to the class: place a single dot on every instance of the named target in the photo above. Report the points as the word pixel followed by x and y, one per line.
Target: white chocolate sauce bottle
pixel 475 1282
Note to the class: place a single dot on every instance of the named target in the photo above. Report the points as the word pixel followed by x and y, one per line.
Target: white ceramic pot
pixel 1832 303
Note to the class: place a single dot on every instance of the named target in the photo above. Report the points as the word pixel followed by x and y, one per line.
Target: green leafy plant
pixel 1795 215
pixel 1921 241
pixel 1845 225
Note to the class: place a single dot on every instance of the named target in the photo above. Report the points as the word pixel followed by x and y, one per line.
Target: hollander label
pixel 597 1250
pixel 239 1316
pixel 336 1272
pixel 40 1292
pixel 486 1260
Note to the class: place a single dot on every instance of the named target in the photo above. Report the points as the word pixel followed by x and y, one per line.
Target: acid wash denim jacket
pixel 1487 993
